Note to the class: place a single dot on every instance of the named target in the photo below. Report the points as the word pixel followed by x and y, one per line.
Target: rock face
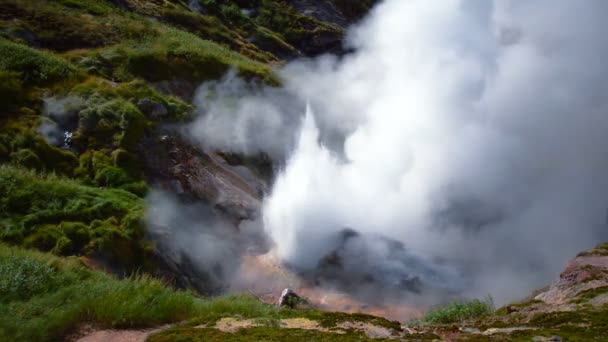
pixel 588 271
pixel 203 175
pixel 211 206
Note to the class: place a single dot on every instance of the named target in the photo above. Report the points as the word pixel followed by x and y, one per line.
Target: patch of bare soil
pixel 232 325
pixel 371 330
pixel 119 335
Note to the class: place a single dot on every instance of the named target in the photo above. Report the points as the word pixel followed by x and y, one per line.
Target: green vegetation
pixel 460 311
pixel 43 298
pixel 176 54
pixel 258 334
pixel 599 250
pixel 55 214
pixel 587 295
pixel 34 67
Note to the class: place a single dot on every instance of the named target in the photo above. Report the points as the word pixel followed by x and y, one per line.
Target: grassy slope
pixel 88 201
pixel 44 297
pixel 101 57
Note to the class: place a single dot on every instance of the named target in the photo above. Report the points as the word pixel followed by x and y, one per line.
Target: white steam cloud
pixel 475 132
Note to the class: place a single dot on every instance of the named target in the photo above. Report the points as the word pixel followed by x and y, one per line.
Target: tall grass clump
pixel 43 298
pixel 460 311
pixel 57 214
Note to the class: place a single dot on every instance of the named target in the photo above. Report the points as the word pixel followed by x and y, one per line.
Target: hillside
pixel 103 192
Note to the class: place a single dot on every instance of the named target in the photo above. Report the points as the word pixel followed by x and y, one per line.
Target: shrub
pixel 22 278
pixel 60 215
pixel 460 311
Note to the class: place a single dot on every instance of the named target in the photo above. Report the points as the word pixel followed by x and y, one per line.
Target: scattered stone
pixel 470 330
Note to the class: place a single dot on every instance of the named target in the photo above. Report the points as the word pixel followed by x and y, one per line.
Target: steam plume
pixel 472 131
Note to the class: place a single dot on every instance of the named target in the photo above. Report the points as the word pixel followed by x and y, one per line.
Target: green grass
pixel 73 24
pixel 459 311
pixel 35 67
pixel 42 298
pixel 52 213
pixel 171 54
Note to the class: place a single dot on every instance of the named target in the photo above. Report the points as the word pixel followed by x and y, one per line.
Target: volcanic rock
pixel 589 270
pixel 290 299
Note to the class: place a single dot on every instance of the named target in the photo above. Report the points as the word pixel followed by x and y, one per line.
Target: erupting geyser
pixel 473 132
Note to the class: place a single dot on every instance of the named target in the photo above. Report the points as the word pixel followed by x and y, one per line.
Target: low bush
pixel 460 311
pixel 60 215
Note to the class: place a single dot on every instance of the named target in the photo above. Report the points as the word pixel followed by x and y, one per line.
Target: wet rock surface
pixel 211 204
pixel 374 266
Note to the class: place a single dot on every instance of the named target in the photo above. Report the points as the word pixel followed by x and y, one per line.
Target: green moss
pixel 50 213
pixel 257 334
pixel 11 91
pixel 584 296
pixel 117 170
pixel 111 123
pixel 33 151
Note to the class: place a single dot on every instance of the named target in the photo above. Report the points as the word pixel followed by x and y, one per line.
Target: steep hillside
pixel 89 93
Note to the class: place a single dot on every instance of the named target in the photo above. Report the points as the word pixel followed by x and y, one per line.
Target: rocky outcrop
pixel 586 272
pixel 355 266
pixel 182 168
